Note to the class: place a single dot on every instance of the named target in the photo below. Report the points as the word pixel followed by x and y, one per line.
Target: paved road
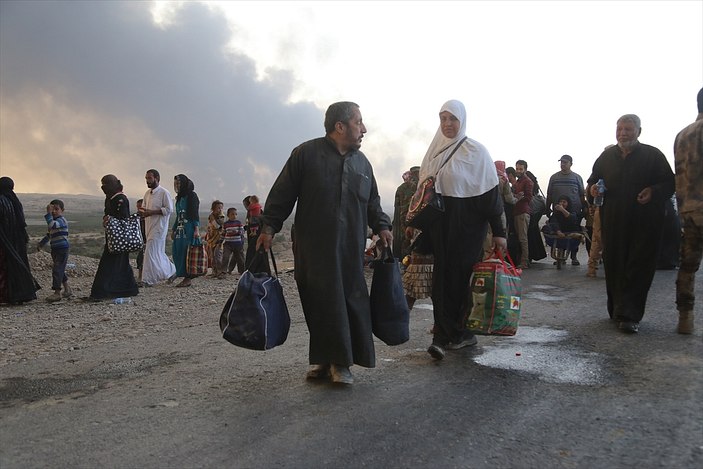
pixel 568 391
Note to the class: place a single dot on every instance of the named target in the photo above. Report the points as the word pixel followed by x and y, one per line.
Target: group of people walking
pixel 331 184
pixel 115 277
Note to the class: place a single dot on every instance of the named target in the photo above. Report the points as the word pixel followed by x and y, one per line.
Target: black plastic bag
pixel 390 315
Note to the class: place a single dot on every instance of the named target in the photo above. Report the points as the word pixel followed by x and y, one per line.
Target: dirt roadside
pixel 40 329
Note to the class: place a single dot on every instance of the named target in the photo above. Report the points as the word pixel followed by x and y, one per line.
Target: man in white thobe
pixel 156 211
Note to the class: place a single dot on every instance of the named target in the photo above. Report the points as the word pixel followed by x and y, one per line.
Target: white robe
pixel 157 266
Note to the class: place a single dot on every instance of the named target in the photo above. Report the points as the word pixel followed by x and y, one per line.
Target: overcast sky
pixel 223 92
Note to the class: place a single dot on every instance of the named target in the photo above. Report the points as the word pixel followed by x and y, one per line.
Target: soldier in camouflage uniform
pixel 401 244
pixel 688 156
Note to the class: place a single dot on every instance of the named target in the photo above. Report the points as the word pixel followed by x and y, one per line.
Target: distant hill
pixel 76 203
pixel 35 204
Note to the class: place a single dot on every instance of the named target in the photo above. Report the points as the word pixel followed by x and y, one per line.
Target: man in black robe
pixel 337 198
pixel 638 181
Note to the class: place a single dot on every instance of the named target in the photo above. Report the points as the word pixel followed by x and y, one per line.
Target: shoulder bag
pixel 426 205
pixel 124 234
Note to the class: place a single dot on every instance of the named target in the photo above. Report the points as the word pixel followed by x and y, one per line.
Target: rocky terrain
pixel 39 328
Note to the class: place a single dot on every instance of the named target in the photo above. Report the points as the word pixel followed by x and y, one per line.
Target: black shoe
pixel 436 352
pixel 575 262
pixel 467 340
pixel 630 327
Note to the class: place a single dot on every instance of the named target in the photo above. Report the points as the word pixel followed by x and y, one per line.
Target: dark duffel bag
pixel 256 316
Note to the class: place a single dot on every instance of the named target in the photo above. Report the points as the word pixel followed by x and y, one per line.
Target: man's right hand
pixel 264 240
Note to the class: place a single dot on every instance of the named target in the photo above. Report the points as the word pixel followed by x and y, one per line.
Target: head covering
pixel 470 172
pixel 112 185
pixel 7 186
pixel 187 189
pixel 566 158
pixel 186 186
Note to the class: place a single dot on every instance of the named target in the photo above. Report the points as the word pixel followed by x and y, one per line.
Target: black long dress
pixel 631 231
pixel 337 198
pixel 17 284
pixel 115 277
pixel 457 244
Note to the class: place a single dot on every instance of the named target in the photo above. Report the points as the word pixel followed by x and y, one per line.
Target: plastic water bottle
pixel 122 301
pixel 598 199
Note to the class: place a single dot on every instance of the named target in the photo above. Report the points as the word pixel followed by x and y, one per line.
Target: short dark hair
pixel 215 203
pixel 154 173
pixel 58 202
pixel 522 162
pixel 510 170
pixel 338 112
pixel 231 209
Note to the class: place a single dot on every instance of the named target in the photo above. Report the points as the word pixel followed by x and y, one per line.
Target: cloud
pixel 90 88
pixel 222 91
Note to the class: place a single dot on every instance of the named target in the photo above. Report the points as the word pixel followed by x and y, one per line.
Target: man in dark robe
pixel 638 181
pixel 17 284
pixel 337 198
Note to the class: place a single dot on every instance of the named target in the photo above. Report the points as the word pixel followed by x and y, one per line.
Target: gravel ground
pixel 38 328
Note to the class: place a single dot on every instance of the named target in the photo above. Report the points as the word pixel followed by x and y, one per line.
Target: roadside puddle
pixel 544 352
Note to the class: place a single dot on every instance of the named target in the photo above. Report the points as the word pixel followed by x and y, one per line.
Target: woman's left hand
pixel 500 244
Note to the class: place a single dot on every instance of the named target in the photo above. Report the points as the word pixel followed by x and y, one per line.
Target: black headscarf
pixel 7 186
pixel 111 184
pixel 187 189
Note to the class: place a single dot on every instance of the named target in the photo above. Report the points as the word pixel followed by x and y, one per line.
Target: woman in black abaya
pixel 115 277
pixel 17 284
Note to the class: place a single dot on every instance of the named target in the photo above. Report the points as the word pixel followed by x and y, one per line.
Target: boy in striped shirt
pixel 57 236
pixel 233 244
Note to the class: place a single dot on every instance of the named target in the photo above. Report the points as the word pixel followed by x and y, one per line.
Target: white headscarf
pixel 470 172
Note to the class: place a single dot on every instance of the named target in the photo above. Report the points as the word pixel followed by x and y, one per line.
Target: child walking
pixel 233 245
pixel 57 236
pixel 215 223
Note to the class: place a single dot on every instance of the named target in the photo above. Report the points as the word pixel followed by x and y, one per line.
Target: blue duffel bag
pixel 256 316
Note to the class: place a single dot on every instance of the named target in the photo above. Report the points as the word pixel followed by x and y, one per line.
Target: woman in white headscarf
pixel 469 185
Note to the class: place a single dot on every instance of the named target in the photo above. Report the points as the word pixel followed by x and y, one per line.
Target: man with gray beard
pixel 638 181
